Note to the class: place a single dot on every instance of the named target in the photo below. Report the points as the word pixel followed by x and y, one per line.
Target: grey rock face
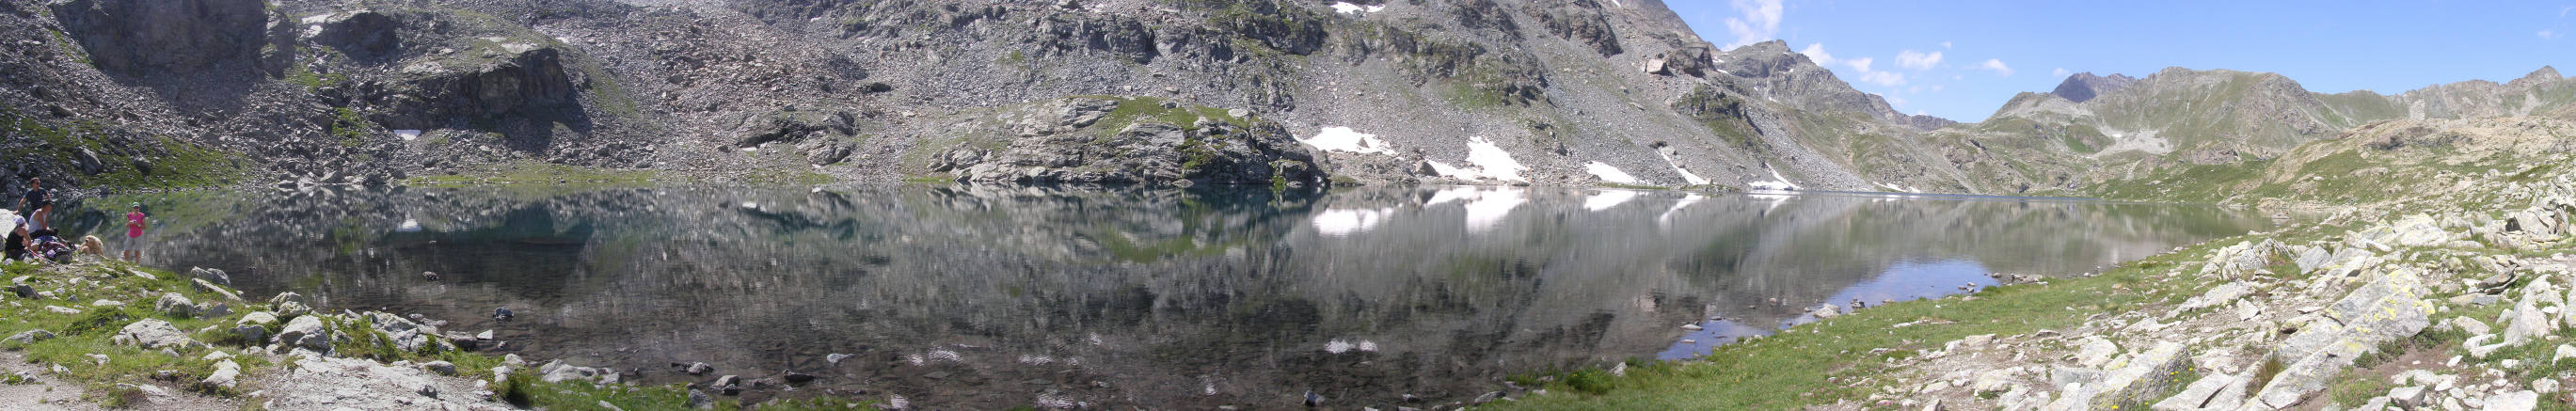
pixel 364 35
pixel 135 37
pixel 1583 21
pixel 2081 87
pixel 1054 149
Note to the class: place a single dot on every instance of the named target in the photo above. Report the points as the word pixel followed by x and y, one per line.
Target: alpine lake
pixel 979 297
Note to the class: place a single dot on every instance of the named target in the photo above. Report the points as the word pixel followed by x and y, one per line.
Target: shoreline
pixel 151 339
pixel 2378 306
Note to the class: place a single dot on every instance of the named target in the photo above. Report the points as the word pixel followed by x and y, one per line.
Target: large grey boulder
pixel 363 35
pixel 175 305
pixel 2144 377
pixel 305 331
pixel 2222 294
pixel 153 333
pixel 31 336
pixel 2313 258
pixel 2199 394
pixel 2390 306
pixel 226 375
pixel 2527 320
pixel 2525 400
pixel 2420 231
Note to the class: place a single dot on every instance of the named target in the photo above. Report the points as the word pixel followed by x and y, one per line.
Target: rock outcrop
pixel 144 37
pixel 2081 87
pixel 1068 141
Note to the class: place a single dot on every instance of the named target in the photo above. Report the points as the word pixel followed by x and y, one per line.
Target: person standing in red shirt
pixel 134 233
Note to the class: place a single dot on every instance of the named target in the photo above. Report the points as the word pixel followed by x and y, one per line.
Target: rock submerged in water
pixel 211 275
pixel 1829 311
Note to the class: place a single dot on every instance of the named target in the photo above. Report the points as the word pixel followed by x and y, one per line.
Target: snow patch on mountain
pixel 1608 173
pixel 1343 139
pixel 1490 163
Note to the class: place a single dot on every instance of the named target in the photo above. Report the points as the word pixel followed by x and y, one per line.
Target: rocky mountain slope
pixel 127 93
pixel 137 94
pixel 2179 118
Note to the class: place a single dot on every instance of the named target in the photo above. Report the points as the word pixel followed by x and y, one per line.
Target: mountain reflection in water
pixel 989 297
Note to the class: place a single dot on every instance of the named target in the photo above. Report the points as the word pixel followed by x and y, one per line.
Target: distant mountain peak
pixel 2080 87
pixel 2544 74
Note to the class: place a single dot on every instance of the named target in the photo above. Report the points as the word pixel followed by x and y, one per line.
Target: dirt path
pixel 46 393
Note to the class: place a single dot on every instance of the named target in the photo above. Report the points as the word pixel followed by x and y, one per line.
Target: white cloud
pixel 1996 65
pixel 1945 44
pixel 2059 72
pixel 1936 88
pixel 1816 51
pixel 1882 78
pixel 1895 101
pixel 1758 21
pixel 1860 66
pixel 1918 60
pixel 1914 89
pixel 2546 34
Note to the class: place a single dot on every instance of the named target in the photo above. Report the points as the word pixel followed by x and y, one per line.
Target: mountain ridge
pixel 1451 92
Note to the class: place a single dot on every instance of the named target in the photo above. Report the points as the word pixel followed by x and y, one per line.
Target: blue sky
pixel 1963 59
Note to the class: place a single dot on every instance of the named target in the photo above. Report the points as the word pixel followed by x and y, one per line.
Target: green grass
pixel 172 163
pixel 89 332
pixel 1815 363
pixel 933 178
pixel 349 127
pixel 63 43
pixel 2186 182
pixel 1138 109
pixel 1722 114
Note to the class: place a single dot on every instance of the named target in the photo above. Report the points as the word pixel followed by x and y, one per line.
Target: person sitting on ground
pixel 47 244
pixel 17 246
pixel 38 207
